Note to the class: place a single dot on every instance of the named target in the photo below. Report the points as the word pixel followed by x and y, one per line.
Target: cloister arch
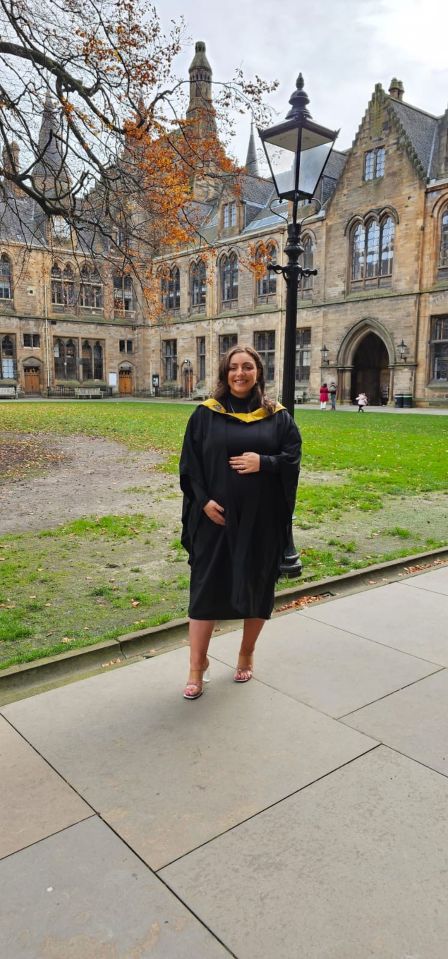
pixel 366 358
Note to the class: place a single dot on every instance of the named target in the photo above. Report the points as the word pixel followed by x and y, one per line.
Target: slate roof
pixel 421 129
pixel 21 219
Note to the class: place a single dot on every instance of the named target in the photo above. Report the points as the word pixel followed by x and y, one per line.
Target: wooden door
pixel 32 381
pixel 125 382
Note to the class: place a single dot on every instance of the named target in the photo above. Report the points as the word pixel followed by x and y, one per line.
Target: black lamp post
pixel 297 152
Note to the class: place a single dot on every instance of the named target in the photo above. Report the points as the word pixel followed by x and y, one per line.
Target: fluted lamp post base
pixel 291 564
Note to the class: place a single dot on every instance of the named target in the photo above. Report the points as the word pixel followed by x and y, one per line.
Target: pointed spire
pixel 51 166
pixel 251 165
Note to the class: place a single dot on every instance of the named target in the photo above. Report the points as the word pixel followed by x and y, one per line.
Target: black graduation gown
pixel 234 567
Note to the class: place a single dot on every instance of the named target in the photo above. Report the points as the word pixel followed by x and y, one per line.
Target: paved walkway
pixel 300 816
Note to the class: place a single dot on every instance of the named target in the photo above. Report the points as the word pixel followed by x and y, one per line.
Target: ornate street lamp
pixel 297 152
pixel 325 355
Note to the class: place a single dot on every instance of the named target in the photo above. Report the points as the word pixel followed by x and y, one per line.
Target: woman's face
pixel 242 374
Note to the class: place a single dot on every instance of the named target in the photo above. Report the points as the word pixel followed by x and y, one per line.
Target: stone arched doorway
pixel 125 380
pixel 32 376
pixel 370 370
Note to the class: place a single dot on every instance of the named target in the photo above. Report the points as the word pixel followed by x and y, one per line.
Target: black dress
pixel 234 567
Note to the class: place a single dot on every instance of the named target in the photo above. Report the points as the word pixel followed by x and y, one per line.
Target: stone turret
pixel 251 165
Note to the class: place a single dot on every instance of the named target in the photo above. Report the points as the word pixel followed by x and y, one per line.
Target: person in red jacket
pixel 323 396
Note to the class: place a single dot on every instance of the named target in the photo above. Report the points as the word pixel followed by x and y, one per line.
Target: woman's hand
pixel 245 463
pixel 215 512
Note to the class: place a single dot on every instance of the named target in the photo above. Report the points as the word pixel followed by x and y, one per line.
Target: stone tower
pixel 200 108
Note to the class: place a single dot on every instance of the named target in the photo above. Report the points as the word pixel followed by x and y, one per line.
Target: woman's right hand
pixel 215 512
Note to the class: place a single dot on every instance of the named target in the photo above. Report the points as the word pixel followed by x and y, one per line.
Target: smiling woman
pixel 238 471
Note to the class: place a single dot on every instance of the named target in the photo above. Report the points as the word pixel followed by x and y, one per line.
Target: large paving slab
pixel 353 867
pixel 34 800
pixel 83 895
pixel 436 581
pixel 413 721
pixel 168 774
pixel 392 616
pixel 324 667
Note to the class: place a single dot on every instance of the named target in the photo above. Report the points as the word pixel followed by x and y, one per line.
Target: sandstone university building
pixel 378 236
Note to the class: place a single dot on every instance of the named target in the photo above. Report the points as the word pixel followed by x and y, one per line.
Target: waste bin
pixel 407 400
pixel 399 399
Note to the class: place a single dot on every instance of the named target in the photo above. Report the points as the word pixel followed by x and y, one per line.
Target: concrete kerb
pixel 151 642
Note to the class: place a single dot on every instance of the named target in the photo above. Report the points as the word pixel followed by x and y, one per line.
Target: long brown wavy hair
pixel 258 394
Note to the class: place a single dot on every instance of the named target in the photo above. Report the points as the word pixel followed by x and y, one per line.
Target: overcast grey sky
pixel 342 47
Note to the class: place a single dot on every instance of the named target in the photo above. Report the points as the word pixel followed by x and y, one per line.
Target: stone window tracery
pixel 228 272
pixel 372 252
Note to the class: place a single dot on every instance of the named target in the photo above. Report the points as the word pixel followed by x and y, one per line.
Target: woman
pixel 239 470
pixel 323 396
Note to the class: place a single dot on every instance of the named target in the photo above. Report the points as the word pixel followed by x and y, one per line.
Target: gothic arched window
pixel 198 286
pixel 443 257
pixel 123 293
pixel 267 284
pixel 56 285
pixel 87 366
pixel 170 291
pixel 229 280
pixel 98 361
pixel 372 252
pixel 65 359
pixel 5 278
pixel 387 246
pixel 358 252
pixel 91 290
pixel 7 357
pixel 307 262
pixel 372 248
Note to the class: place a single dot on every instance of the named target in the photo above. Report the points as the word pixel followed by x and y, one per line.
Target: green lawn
pixel 373 487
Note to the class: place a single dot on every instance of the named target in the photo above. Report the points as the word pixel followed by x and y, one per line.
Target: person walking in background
pixel 332 391
pixel 362 402
pixel 323 396
pixel 239 470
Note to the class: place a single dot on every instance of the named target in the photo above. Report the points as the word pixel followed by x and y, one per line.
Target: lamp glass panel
pixel 281 151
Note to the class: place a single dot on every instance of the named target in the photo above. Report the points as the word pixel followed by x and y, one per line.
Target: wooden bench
pixel 8 392
pixel 88 393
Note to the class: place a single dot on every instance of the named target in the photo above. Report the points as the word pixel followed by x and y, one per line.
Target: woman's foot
pixel 245 668
pixel 196 679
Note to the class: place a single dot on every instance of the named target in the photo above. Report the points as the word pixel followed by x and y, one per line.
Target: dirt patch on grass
pixel 22 456
pixel 78 476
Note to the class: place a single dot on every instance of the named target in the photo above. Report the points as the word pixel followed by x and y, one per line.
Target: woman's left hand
pixel 245 463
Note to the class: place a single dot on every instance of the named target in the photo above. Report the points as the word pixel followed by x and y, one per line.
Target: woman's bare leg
pixel 200 633
pixel 251 632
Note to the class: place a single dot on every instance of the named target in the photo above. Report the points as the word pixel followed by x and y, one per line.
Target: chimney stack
pixel 396 89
